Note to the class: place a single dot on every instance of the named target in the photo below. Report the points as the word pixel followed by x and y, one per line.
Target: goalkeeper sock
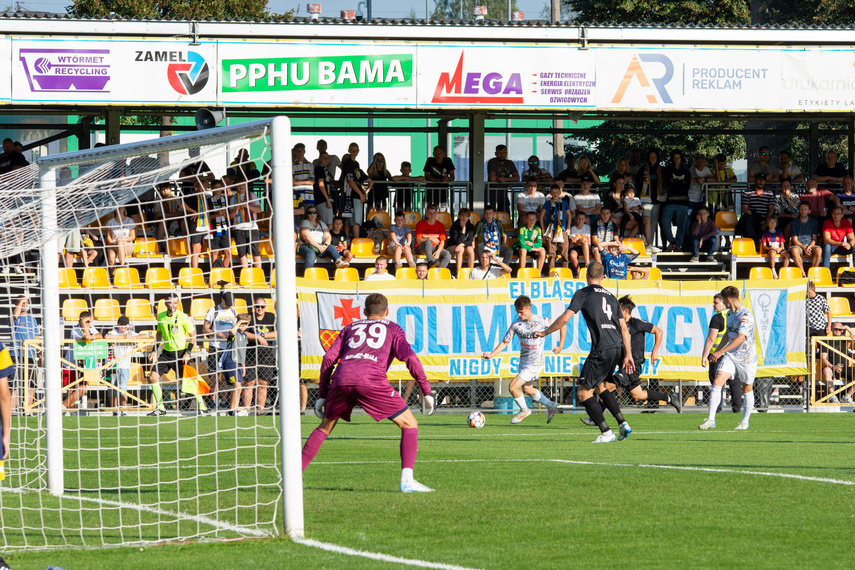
pixel 313 444
pixel 747 405
pixel 409 447
pixel 158 395
pixel 200 402
pixel 521 403
pixel 541 399
pixel 715 400
pixel 656 396
pixel 612 404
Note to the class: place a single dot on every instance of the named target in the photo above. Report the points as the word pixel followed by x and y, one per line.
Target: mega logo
pixel 636 70
pixel 476 87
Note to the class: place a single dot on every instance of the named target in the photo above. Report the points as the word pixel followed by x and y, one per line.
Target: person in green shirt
pixel 176 334
pixel 530 241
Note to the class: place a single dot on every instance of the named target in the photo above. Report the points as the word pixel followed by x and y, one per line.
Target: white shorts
pixel 530 373
pixel 743 372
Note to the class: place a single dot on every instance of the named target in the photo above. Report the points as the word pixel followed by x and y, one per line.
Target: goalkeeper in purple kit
pixel 361 355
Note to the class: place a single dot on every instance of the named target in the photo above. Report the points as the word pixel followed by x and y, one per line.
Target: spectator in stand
pixel 400 242
pixel 773 245
pixel 218 321
pixel 171 210
pixel 584 168
pixel 335 161
pixel 838 237
pixel 606 231
pixel 530 200
pixel 579 240
pixel 461 238
pixel 83 331
pixel 404 194
pixel 587 202
pixel 568 173
pixel 818 199
pixel 244 227
pixel 613 199
pixel 530 242
pixel 818 313
pixel 122 352
pixel 788 169
pixel 355 192
pixel 703 236
pixel 430 239
pixel 380 273
pixel 621 170
pixel 831 171
pixel 677 180
pixel 633 213
pixel 757 205
pixel 242 166
pixel 421 270
pixel 199 224
pixel 322 180
pixel 339 239
pixel 616 261
pixel 301 169
pixel 846 199
pixel 490 267
pixel 535 171
pixel 221 241
pixel 649 180
pixel 634 163
pixel 500 169
pixel 490 235
pixel 438 168
pixel 10 159
pixel 701 174
pixel 378 172
pixel 764 165
pixel 721 172
pixel 786 205
pixel 261 356
pixel 317 241
pixel 804 232
pixel 560 211
pixel 119 237
pixel 24 327
pixel 834 364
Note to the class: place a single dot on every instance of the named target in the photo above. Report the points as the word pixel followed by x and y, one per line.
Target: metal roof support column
pixel 476 160
pixel 850 123
pixel 557 148
pixel 114 125
pixel 442 130
pixel 813 146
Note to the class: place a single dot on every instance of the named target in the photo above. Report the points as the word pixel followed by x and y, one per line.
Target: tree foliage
pixel 182 9
pixel 805 12
pixel 696 12
pixel 450 9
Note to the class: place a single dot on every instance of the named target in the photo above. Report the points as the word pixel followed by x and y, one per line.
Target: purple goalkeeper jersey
pixel 364 350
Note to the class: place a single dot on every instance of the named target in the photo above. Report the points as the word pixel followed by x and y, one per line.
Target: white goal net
pixel 140 287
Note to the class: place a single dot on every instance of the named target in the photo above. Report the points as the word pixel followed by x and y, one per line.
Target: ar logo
pixel 635 69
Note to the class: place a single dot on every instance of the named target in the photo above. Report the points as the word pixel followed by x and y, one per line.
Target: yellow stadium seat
pixel 841 271
pixel 363 248
pixel 528 273
pixel 139 309
pixel 346 274
pixel 68 278
pixel 561 272
pixel 505 218
pixel 127 278
pixel 821 276
pixel 158 278
pixel 199 307
pixel 411 219
pixel 161 306
pixel 222 274
pixel 191 278
pixel 839 307
pixel 235 254
pixel 240 306
pixel 654 274
pixel 743 247
pixel 381 216
pixel 95 278
pixel 316 273
pixel 637 244
pixel 405 273
pixel 505 276
pixel 760 273
pixel 71 309
pixel 271 305
pixel 368 271
pixel 146 247
pixel 463 273
pixel 178 247
pixel 583 273
pixel 725 221
pixel 474 218
pixel 439 273
pixel 252 277
pixel 790 273
pixel 445 219
pixel 107 310
pixel 273 278
pixel 265 247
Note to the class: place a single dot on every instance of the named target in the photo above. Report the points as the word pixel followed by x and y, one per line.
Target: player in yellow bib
pixel 177 335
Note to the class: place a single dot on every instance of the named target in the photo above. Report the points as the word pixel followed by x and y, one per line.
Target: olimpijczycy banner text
pixel 451 323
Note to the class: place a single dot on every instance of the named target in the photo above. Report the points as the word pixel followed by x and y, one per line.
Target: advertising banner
pixel 518 76
pixel 112 71
pixel 688 79
pixel 819 80
pixel 451 323
pixel 285 73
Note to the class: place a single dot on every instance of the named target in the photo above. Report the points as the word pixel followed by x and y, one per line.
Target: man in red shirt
pixel 818 198
pixel 430 239
pixel 838 236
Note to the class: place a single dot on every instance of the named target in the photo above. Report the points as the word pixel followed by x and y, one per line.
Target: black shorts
pixel 626 381
pixel 246 242
pixel 599 366
pixel 169 360
pixel 221 242
pixel 198 237
pixel 261 364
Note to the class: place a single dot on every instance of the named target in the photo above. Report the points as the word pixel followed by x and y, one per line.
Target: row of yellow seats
pixel 161 278
pixel 140 309
pixel 147 247
pixel 351 274
pixel 821 276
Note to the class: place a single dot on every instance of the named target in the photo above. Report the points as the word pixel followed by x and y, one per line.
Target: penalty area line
pixel 376 555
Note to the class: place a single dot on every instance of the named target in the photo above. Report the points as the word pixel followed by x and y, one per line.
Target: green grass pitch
pixel 529 496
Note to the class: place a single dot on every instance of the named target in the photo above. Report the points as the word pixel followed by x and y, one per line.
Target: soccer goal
pixel 156 395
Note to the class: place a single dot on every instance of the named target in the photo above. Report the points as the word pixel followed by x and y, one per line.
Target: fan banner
pixel 451 323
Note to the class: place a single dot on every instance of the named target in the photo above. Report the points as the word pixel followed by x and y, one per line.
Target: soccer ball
pixel 476 420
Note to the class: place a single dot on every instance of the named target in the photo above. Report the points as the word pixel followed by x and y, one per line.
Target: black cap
pixel 586 178
pixel 760 175
pixel 123 321
pixel 227 297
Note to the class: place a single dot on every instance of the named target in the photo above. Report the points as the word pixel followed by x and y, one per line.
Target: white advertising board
pixel 819 80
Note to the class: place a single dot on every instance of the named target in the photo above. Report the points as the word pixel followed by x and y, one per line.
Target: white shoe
pixel 847 399
pixel 833 400
pixel 521 416
pixel 606 437
pixel 653 249
pixel 708 424
pixel 588 422
pixel 552 409
pixel 414 487
pixel 241 412
pixel 741 426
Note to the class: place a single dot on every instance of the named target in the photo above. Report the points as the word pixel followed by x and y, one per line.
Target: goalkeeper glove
pixel 429 405
pixel 319 407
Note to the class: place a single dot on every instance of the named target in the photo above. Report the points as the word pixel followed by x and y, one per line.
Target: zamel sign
pixel 64 70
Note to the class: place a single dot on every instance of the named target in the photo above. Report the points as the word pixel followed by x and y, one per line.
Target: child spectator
pixel 633 213
pixel 558 216
pixel 606 231
pixel 531 242
pixel 122 352
pixel 616 261
pixel 579 242
pixel 233 361
pixel 703 235
pixel 339 239
pixel 221 242
pixel 461 238
pixel 772 244
pixel 400 242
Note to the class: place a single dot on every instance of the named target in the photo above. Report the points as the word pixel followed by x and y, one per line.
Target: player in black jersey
pixel 609 336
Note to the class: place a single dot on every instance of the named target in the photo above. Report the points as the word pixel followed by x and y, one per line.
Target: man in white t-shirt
pixel 218 322
pixel 491 267
pixel 122 352
pixel 380 273
pixel 701 174
pixel 530 200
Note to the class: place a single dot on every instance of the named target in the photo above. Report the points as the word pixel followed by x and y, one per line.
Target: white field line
pixel 377 556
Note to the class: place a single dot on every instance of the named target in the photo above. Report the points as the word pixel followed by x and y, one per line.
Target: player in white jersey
pixel 736 357
pixel 531 358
